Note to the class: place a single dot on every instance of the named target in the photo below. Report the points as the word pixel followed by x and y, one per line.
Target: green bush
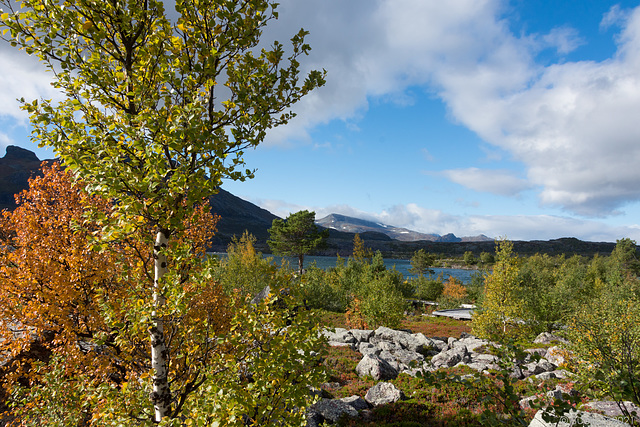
pixel 381 303
pixel 428 288
pixel 246 271
pixel 322 290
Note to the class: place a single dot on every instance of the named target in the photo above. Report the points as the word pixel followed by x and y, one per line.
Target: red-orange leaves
pixel 50 279
pixel 92 308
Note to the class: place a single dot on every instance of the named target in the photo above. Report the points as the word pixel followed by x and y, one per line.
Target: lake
pixel 402 265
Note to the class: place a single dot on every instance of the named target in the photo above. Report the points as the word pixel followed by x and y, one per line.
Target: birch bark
pixel 161 394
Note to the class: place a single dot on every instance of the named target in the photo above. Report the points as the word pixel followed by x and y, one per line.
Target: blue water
pixel 402 265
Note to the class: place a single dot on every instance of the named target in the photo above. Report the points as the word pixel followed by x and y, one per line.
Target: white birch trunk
pixel 161 395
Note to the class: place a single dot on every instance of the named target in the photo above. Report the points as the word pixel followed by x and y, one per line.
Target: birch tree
pixel 157 111
pixel 502 308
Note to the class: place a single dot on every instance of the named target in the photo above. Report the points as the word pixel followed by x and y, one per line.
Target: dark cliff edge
pixel 16 167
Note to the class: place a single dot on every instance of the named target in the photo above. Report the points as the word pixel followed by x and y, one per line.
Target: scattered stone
pixel 339 335
pixel 451 357
pixel 570 419
pixel 562 374
pixel 517 373
pixel 388 346
pixel 314 419
pixel 362 335
pixel 534 368
pixel 388 357
pixel 471 342
pixel 261 296
pixel 556 355
pixel 548 338
pixel 383 393
pixel 356 402
pixel 547 376
pixel 419 344
pixel 376 367
pixel 611 408
pixel 368 348
pixel 439 344
pixel 332 409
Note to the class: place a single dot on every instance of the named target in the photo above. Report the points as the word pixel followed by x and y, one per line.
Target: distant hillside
pixel 238 215
pixel 356 225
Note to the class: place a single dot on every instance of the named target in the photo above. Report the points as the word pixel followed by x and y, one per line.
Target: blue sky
pixel 504 118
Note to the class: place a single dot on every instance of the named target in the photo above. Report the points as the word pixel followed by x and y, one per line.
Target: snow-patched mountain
pixel 356 225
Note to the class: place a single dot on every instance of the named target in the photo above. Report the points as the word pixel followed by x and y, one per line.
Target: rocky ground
pixel 387 353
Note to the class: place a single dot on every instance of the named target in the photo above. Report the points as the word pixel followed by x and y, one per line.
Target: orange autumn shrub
pixel 76 302
pixel 453 288
pixel 453 294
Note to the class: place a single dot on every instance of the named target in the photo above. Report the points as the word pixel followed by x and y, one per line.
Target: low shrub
pixel 428 288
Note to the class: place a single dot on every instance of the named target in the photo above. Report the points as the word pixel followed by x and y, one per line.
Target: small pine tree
pixel 296 236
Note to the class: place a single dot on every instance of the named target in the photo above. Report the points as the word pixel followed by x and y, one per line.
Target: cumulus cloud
pixel 575 128
pixel 615 16
pixel 572 124
pixel 563 39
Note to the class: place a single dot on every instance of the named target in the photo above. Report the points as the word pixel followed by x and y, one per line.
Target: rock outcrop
pixel 387 353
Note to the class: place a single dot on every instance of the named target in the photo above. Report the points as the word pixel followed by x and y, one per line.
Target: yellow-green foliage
pixel 264 379
pixel 605 337
pixel 245 270
pixel 501 307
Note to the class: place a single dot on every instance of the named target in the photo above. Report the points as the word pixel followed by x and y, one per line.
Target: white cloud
pixel 500 182
pixel 573 125
pixel 22 77
pixel 615 16
pixel 563 39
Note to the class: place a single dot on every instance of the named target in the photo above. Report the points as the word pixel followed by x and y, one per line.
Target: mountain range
pixel 238 215
pixel 357 225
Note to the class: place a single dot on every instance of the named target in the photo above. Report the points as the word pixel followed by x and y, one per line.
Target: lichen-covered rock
pixel 556 355
pixel 332 409
pixel 362 335
pixel 356 402
pixel 383 393
pixel 571 419
pixel 451 357
pixel 339 335
pixel 548 338
pixel 368 348
pixel 611 408
pixel 376 367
